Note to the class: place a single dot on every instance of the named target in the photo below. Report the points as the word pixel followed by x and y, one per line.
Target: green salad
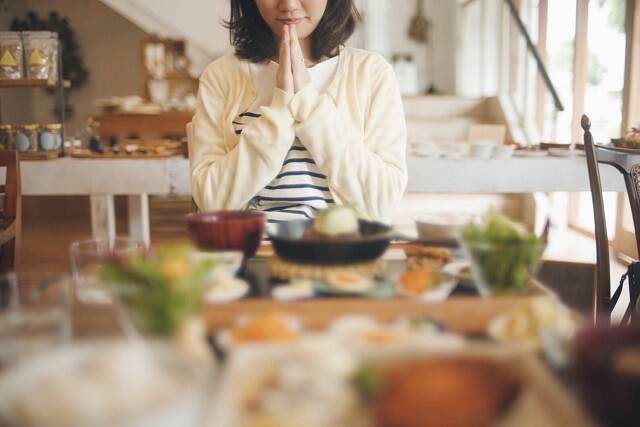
pixel 160 290
pixel 502 253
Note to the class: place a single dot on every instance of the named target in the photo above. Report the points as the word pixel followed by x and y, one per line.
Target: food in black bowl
pixel 333 238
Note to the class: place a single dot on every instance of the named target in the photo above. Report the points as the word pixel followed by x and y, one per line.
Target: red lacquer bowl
pixel 227 230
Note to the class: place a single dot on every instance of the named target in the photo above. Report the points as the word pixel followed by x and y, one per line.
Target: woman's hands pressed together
pixel 292 73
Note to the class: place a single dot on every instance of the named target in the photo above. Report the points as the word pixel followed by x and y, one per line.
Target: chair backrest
pixel 11 212
pixel 602 292
pixel 11 190
pixel 627 162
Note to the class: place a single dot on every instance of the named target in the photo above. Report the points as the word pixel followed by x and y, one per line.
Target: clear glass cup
pixel 500 268
pixel 34 322
pixel 87 255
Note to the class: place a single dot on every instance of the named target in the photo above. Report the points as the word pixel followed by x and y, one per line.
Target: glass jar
pixel 40 53
pixel 26 138
pixel 6 136
pixel 11 56
pixel 50 137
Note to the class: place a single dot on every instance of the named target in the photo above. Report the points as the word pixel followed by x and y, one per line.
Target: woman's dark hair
pixel 254 41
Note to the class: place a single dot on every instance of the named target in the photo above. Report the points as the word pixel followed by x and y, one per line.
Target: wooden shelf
pixel 40 155
pixel 169 123
pixel 32 83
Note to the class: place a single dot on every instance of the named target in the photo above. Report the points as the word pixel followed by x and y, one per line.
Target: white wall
pixel 385 30
pixel 437 60
pixel 198 21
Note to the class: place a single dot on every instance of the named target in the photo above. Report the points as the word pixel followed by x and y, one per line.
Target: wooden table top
pixel 462 312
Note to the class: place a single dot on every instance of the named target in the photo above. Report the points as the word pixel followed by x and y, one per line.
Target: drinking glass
pixel 87 255
pixel 503 267
pixel 34 322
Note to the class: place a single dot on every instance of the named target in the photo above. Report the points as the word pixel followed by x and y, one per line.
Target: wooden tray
pixel 45 155
pixel 147 149
pixel 111 155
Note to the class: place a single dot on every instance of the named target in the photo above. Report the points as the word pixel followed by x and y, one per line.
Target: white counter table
pixel 102 179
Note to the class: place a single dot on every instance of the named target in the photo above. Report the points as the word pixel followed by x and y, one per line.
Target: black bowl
pixel 289 244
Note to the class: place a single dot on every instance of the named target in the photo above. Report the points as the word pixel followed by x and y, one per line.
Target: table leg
pixel 103 217
pixel 139 218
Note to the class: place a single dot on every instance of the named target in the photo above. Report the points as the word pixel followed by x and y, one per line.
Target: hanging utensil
pixel 419 27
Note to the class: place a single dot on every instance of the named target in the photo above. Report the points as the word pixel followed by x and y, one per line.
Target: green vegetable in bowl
pixel 161 290
pixel 502 253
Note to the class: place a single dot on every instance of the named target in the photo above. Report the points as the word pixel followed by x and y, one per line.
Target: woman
pixel 323 125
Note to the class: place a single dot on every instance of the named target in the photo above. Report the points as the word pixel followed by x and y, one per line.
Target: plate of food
pixel 335 237
pixel 273 327
pixel 426 284
pixel 325 383
pixel 631 140
pixel 353 284
pixel 104 383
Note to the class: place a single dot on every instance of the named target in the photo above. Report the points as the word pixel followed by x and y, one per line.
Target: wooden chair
pixel 628 163
pixel 573 282
pixel 11 211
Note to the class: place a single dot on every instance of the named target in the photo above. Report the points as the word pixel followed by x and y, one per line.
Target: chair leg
pixel 7 256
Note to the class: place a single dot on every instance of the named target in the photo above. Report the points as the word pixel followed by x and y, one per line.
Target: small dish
pixel 561 152
pixel 434 293
pixel 530 153
pixel 380 289
pixel 227 263
pixel 481 149
pixel 425 149
pixel 227 289
pixel 295 290
pixel 227 230
pixel 443 226
pixel 269 327
pixel 502 151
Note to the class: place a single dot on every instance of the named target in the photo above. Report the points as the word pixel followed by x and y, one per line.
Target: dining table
pixel 464 312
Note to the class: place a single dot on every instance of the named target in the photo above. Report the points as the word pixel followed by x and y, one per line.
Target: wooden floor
pixel 44 254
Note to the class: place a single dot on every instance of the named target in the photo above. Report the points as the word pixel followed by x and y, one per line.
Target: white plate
pixel 146 386
pixel 438 294
pixel 528 153
pixel 225 342
pixel 228 262
pixel 296 290
pixel 226 290
pixel 561 152
pixel 456 268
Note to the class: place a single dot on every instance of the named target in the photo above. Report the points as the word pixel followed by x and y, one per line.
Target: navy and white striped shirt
pixel 300 189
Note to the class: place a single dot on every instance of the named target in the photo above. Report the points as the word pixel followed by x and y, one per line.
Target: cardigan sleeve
pixel 228 178
pixel 366 170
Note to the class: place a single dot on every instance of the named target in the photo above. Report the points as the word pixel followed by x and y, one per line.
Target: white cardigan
pixel 355 132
